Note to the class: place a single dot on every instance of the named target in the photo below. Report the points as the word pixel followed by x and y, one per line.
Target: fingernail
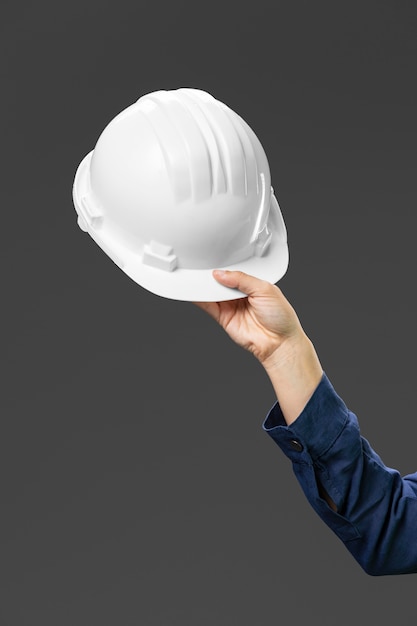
pixel 220 272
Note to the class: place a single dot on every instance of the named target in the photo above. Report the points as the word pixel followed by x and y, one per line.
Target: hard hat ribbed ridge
pixel 197 110
pixel 228 142
pixel 172 145
pixel 216 138
pixel 233 139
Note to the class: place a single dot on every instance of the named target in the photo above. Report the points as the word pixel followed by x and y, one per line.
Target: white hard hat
pixel 178 185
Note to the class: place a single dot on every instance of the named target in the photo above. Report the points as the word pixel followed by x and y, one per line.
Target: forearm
pixel 295 372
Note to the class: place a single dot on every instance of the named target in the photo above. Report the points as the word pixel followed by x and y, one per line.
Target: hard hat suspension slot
pixel 159 255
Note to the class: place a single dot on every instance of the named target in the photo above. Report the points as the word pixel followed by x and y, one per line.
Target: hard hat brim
pixel 199 285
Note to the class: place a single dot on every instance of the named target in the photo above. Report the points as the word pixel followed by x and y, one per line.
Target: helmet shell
pixel 178 185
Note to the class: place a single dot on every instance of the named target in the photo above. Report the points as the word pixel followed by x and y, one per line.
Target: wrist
pixel 295 372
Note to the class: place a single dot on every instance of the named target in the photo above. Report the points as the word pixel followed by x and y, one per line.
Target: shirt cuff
pixel 315 430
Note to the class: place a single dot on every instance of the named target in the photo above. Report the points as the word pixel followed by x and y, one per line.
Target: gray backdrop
pixel 138 487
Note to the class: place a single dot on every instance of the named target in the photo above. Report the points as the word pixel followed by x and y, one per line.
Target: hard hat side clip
pixel 160 256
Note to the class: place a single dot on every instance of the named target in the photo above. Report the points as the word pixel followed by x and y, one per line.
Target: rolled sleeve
pixel 376 514
pixel 318 426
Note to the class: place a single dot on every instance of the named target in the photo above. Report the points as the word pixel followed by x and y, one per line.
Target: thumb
pixel 250 285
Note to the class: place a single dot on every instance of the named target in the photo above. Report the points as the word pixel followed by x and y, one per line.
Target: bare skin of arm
pixel 265 324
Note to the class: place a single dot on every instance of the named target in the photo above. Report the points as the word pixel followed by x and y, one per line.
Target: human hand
pixel 262 322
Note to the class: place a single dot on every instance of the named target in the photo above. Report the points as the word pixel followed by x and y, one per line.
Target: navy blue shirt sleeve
pixel 376 514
